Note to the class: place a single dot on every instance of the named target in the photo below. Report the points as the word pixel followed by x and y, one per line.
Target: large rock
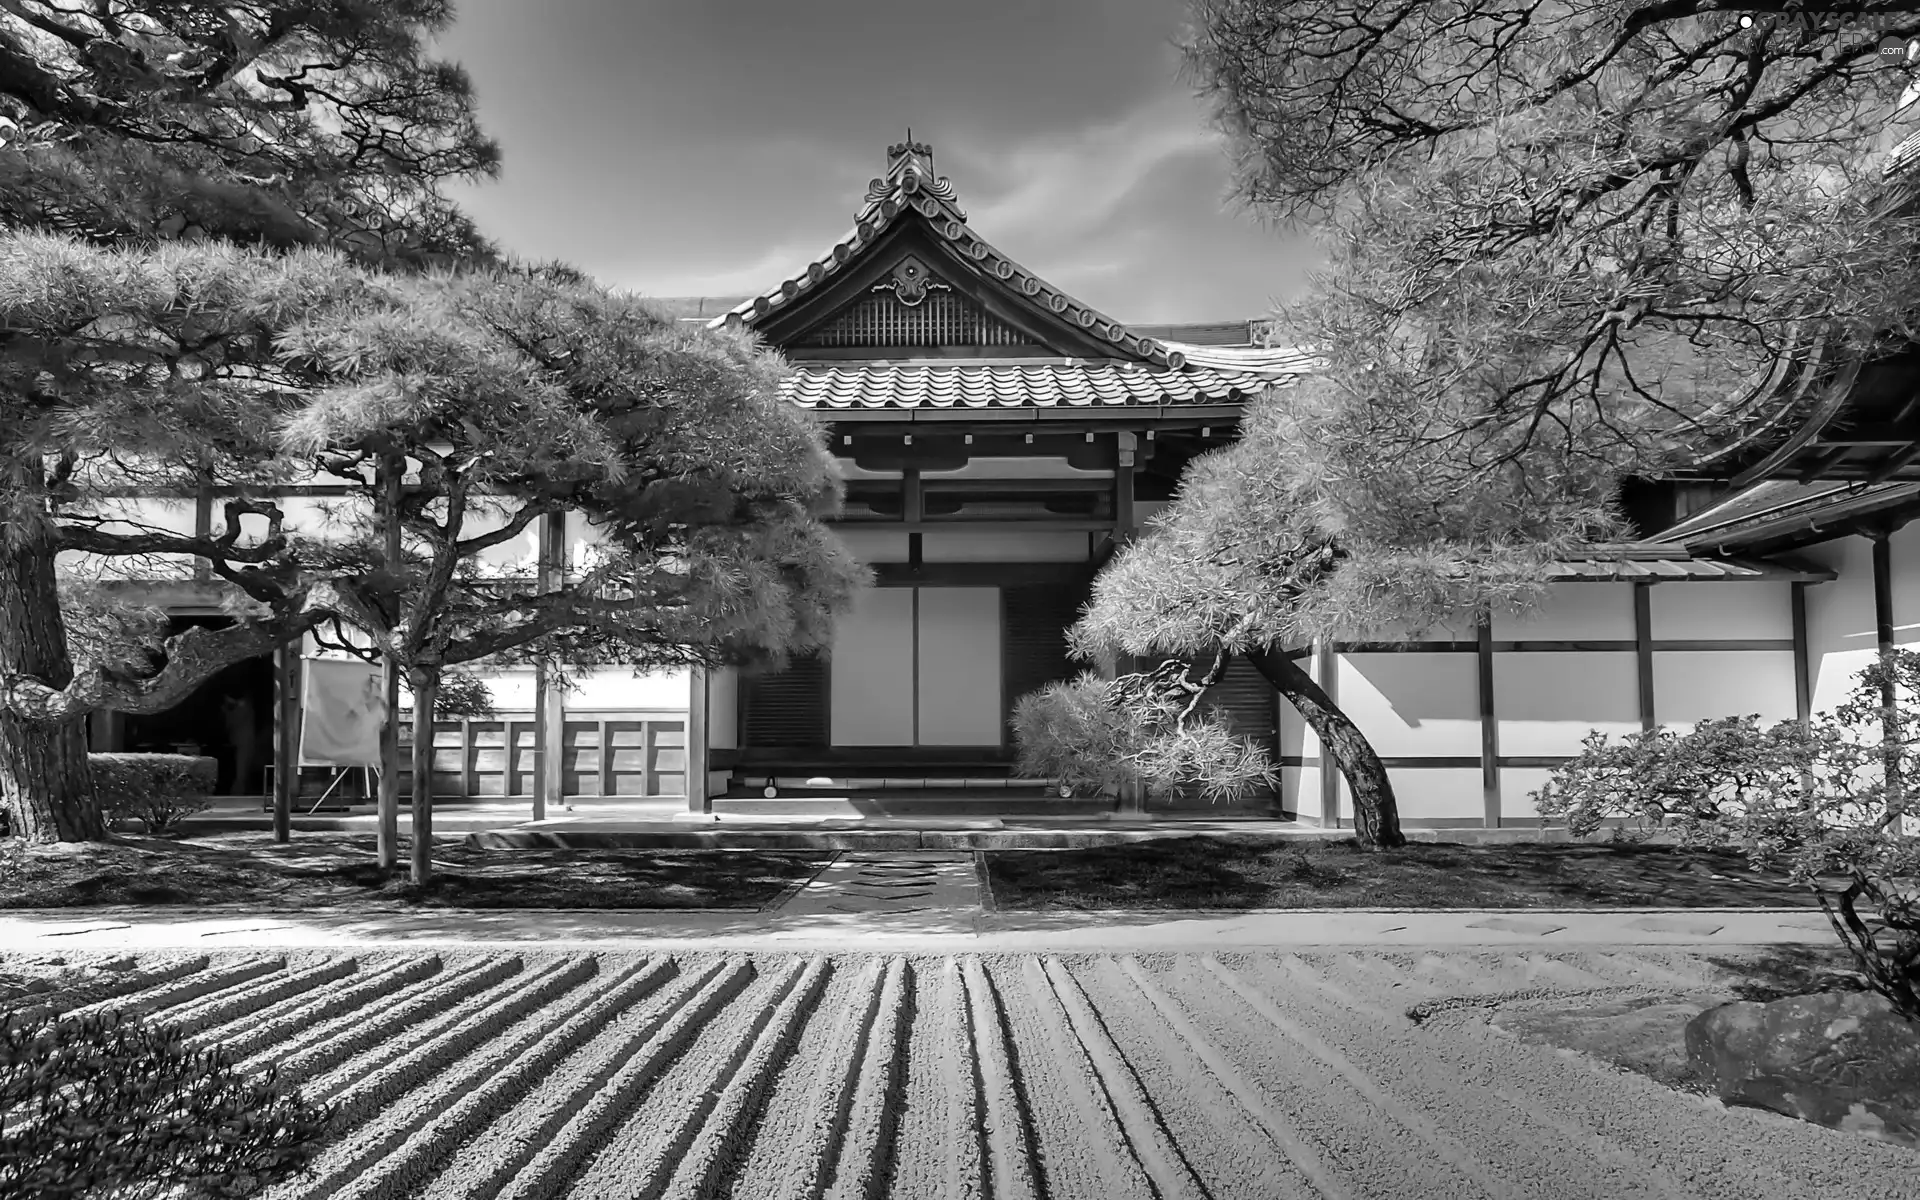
pixel 1841 1059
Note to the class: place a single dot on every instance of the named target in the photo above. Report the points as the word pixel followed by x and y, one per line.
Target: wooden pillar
pixel 1802 658
pixel 549 717
pixel 1643 650
pixel 1883 639
pixel 286 737
pixel 1123 514
pixel 387 831
pixel 1489 724
pixel 1131 804
pixel 1327 675
pixel 698 802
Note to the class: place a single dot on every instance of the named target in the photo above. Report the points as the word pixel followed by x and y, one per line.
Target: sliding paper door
pixel 959 683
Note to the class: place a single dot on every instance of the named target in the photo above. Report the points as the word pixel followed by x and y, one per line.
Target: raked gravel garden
pixel 541 1075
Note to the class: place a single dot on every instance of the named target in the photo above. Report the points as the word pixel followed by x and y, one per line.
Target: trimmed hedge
pixel 154 789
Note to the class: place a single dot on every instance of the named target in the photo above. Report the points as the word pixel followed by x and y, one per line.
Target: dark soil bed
pixel 1201 872
pixel 340 869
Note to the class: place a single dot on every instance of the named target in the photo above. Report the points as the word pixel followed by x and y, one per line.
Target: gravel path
pixel 1255 1075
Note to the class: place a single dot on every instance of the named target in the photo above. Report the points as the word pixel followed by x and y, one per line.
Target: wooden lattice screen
pixel 941 319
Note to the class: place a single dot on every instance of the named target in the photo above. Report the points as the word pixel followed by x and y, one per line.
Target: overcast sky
pixel 687 147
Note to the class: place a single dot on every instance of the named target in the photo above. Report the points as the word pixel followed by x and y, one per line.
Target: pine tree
pixel 1569 245
pixel 319 130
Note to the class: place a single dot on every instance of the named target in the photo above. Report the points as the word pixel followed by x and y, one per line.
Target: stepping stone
pixel 1698 927
pixel 1517 925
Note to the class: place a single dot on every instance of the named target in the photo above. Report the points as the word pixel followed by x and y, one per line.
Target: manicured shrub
pixel 105 1103
pixel 1833 800
pixel 154 789
pixel 1094 735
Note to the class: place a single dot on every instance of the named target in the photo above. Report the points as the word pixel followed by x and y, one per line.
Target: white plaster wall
pixel 1694 611
pixel 1694 685
pixel 518 555
pixel 979 545
pixel 1431 794
pixel 1586 611
pixel 1840 632
pixel 133 516
pixel 582 536
pixel 512 689
pixel 874 545
pixel 723 708
pixel 1517 785
pixel 620 688
pixel 1300 791
pixel 1412 703
pixel 1548 701
pixel 1016 467
pixel 315 516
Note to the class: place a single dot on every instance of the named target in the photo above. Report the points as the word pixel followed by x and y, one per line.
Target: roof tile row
pixel 917 385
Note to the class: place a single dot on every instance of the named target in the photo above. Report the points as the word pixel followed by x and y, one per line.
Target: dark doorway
pixel 229 718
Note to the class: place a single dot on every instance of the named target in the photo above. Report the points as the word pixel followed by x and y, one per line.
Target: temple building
pixel 1001 439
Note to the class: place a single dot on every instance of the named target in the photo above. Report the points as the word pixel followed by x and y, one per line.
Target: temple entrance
pixel 228 718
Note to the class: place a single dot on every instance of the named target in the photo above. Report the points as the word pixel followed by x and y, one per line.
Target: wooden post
pixel 698 802
pixel 549 704
pixel 1883 639
pixel 1489 724
pixel 1327 674
pixel 1643 650
pixel 1123 515
pixel 387 833
pixel 553 735
pixel 286 738
pixel 1802 659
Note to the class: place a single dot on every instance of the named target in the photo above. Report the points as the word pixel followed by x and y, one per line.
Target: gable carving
pixel 912 308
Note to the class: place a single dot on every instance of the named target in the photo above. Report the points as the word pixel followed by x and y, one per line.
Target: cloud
pixel 1060 183
pixel 781 263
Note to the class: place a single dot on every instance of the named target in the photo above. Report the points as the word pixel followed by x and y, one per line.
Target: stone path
pixel 886 883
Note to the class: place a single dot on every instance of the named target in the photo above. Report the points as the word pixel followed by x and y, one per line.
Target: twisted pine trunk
pixel 1376 814
pixel 44 777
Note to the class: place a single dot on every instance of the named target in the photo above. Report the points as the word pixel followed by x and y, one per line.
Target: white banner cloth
pixel 343 706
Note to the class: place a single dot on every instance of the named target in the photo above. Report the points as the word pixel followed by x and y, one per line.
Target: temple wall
pixel 1567 669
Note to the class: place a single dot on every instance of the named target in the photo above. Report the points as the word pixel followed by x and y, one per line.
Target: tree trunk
pixel 44 776
pixel 425 684
pixel 1376 815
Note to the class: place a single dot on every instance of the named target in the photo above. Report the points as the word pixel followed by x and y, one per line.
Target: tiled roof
pixel 1084 383
pixel 910 186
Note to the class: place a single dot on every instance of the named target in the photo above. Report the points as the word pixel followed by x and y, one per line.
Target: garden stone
pixel 1845 1060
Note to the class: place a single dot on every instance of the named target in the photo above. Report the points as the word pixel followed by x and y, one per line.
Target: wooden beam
pixel 695 751
pixel 1643 649
pixel 1489 725
pixel 1802 661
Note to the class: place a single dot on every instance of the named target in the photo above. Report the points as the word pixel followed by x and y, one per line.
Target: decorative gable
pixel 912 274
pixel 929 315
